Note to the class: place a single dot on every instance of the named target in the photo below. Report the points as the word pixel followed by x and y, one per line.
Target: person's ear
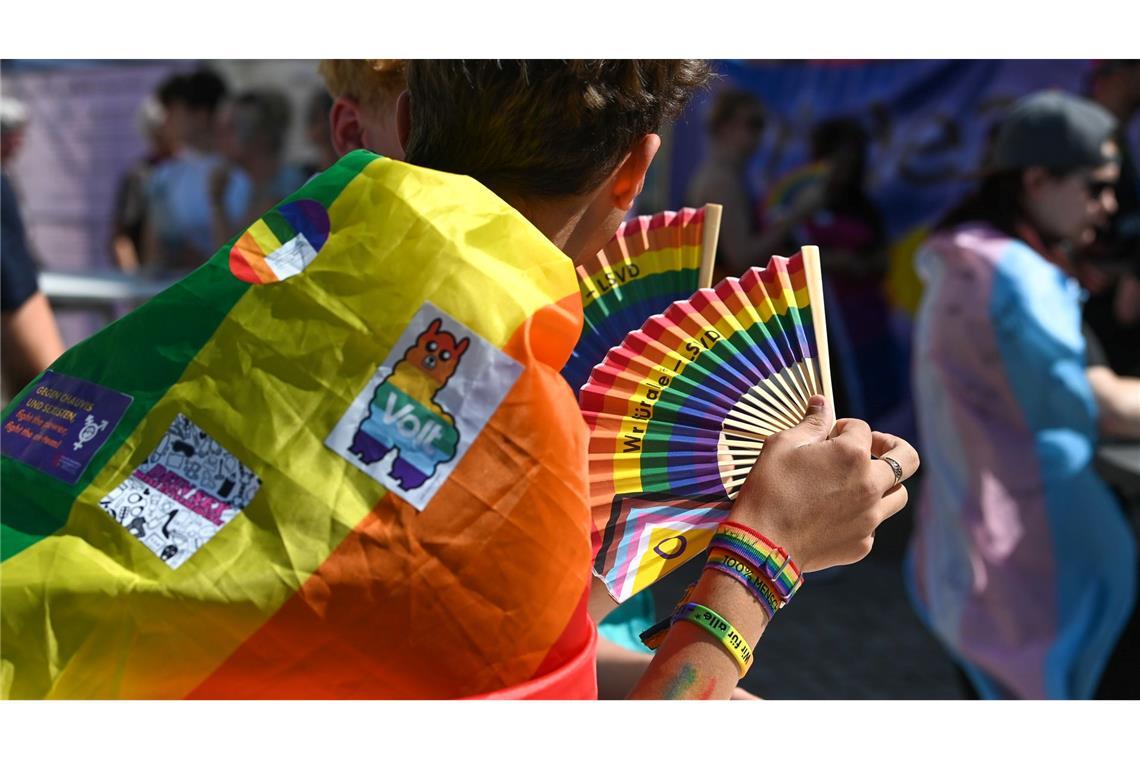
pixel 403 119
pixel 346 125
pixel 1033 180
pixel 629 178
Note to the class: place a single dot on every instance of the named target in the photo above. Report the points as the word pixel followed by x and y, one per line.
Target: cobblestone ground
pixel 850 634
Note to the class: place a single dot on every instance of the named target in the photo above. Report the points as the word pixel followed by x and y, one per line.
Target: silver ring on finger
pixel 896 468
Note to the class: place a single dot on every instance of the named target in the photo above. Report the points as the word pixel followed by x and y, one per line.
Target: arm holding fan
pixel 680 413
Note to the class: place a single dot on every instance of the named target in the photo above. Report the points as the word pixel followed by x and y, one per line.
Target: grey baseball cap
pixel 1056 130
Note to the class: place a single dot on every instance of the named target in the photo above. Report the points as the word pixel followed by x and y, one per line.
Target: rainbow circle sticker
pixel 280 244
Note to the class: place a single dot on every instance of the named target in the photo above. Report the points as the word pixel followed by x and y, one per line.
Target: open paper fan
pixel 651 262
pixel 679 412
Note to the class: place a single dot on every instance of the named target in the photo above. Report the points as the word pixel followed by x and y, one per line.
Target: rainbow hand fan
pixel 651 262
pixel 679 412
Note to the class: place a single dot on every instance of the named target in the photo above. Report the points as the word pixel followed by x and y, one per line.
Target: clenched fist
pixel 820 489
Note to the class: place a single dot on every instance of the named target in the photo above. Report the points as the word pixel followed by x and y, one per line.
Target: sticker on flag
pixel 426 403
pixel 183 494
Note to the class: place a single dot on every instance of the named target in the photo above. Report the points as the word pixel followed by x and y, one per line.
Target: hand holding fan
pixel 679 412
pixel 651 262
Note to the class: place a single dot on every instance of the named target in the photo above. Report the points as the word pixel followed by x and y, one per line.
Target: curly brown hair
pixel 542 128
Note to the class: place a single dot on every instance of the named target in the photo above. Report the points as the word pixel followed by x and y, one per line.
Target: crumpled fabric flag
pixel 336 461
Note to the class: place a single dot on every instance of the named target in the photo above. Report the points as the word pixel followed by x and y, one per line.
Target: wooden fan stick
pixel 746 414
pixel 814 277
pixel 744 435
pixel 776 410
pixel 742 446
pixel 709 236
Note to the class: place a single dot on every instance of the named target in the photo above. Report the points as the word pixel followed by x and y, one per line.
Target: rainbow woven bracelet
pixel 762 554
pixel 747 576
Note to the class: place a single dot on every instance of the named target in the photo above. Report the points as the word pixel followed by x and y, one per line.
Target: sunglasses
pixel 1096 187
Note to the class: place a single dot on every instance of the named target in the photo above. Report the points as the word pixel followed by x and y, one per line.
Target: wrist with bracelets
pixel 745 574
pixel 769 561
pixel 763 568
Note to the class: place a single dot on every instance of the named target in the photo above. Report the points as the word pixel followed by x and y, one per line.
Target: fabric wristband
pixel 720 629
pixel 782 579
pixel 757 585
pixel 772 560
pixel 751 534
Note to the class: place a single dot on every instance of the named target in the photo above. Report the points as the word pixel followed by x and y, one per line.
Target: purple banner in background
pixel 60 425
pixel 928 121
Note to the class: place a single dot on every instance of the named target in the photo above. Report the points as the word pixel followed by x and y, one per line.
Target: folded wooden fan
pixel 679 412
pixel 651 262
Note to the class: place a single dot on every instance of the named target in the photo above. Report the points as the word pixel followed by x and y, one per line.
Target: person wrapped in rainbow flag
pixel 338 460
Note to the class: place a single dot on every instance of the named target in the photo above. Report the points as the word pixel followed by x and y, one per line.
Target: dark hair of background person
pixel 844 136
pixel 541 128
pixel 996 201
pixel 728 104
pixel 844 142
pixel 202 89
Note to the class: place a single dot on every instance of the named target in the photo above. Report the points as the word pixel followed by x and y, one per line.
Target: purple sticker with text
pixel 60 425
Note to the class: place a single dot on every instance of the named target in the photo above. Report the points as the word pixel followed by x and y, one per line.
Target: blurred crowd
pixel 215 163
pixel 1026 349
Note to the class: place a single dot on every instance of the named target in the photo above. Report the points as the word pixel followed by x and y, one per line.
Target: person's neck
pixel 1054 250
pixel 566 222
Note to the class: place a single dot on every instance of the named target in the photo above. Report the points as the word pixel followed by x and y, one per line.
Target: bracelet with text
pixel 722 630
pixel 769 564
pixel 747 575
pixel 772 560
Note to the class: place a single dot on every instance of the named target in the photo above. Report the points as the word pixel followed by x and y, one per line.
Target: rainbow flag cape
pixel 336 461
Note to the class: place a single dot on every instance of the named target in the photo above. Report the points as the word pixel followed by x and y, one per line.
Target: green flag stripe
pixel 122 356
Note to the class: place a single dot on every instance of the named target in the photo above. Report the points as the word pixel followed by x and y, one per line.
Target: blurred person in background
pixel 1021 561
pixel 735 127
pixel 1113 310
pixel 178 231
pixel 748 235
pixel 318 131
pixel 156 127
pixel 851 235
pixel 251 138
pixel 363 113
pixel 28 329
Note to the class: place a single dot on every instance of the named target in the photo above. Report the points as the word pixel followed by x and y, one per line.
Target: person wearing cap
pixel 1021 561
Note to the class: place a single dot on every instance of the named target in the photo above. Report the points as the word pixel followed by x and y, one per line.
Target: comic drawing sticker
pixel 424 406
pixel 183 494
pixel 61 424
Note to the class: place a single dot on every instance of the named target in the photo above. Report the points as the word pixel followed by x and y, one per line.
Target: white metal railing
pixel 102 290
